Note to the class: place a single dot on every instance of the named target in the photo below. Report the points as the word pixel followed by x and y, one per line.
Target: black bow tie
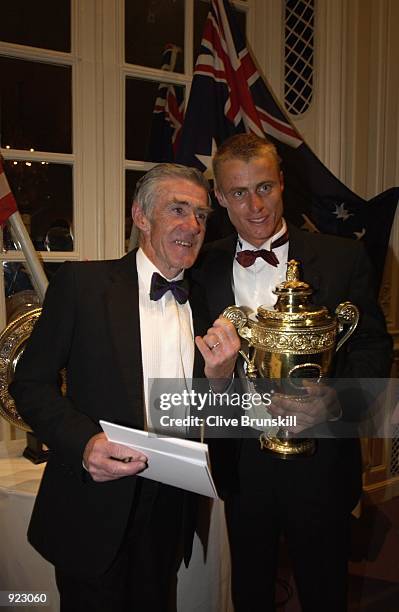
pixel 159 286
pixel 247 258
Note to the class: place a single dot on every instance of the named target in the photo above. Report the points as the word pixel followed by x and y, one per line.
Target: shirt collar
pixel 243 245
pixel 145 270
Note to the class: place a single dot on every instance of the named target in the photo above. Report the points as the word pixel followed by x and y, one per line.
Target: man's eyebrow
pixel 206 209
pixel 236 188
pixel 246 187
pixel 181 202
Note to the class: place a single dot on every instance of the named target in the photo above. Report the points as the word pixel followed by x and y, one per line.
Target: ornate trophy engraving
pixel 293 342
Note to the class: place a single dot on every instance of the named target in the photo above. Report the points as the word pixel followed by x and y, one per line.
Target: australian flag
pixel 228 96
pixel 168 114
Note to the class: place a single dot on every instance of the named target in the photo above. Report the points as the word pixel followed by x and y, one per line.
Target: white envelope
pixel 174 461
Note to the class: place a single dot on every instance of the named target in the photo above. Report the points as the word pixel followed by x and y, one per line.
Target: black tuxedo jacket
pixel 90 326
pixel 338 270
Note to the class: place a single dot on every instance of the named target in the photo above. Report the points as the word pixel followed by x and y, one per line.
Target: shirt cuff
pixel 227 388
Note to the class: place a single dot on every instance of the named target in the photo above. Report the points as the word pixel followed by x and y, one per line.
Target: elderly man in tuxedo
pixel 114 537
pixel 308 500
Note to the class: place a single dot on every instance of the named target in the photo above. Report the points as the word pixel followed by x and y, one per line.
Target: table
pixel 21 567
pixel 203 587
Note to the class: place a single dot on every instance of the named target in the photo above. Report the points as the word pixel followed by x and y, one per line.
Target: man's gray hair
pixel 147 186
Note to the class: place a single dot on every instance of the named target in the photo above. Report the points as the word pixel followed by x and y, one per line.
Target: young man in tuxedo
pixel 308 500
pixel 112 325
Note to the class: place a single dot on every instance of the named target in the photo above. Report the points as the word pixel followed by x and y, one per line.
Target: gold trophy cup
pixel 293 342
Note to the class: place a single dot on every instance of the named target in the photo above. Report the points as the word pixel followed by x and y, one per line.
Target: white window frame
pixel 86 209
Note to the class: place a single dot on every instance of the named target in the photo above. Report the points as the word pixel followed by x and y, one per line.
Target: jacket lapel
pixel 201 323
pixel 219 277
pixel 123 311
pixel 300 249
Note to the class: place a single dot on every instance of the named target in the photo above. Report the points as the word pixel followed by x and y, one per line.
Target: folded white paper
pixel 174 461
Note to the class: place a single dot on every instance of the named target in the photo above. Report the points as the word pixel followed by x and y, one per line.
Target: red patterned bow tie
pixel 247 258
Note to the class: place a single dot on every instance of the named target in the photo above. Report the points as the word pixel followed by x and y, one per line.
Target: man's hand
pixel 319 406
pixel 219 348
pixel 106 460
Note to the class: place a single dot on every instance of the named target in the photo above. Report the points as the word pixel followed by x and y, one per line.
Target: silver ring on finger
pixel 215 345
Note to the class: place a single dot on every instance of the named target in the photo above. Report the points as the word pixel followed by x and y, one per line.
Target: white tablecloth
pixel 21 567
pixel 203 587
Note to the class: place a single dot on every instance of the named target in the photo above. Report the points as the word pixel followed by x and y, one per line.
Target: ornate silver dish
pixel 13 340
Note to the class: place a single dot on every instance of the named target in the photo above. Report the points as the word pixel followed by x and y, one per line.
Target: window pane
pixel 19 292
pixel 44 197
pixel 132 176
pixel 35 106
pixel 201 10
pixel 299 55
pixel 149 136
pixel 42 23
pixel 149 26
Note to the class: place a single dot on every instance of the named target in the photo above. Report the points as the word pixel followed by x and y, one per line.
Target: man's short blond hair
pixel 243 147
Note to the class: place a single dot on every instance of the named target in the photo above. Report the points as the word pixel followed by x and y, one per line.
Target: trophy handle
pixel 347 314
pixel 252 372
pixel 235 315
pixel 238 317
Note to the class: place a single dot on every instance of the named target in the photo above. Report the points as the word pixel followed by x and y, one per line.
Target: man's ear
pixel 139 218
pixel 281 180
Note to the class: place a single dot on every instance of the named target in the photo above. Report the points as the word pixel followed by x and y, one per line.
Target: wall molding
pixel 330 73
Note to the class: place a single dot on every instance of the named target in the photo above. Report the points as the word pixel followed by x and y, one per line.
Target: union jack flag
pixel 228 96
pixel 168 114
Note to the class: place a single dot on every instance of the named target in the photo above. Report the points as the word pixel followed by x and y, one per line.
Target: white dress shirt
pixel 167 336
pixel 253 286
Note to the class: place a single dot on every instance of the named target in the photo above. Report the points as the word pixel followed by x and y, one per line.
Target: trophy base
pixel 288 448
pixel 35 452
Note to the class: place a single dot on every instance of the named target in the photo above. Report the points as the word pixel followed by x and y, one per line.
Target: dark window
pixel 149 26
pixel 143 126
pixel 35 106
pixel 42 23
pixel 43 192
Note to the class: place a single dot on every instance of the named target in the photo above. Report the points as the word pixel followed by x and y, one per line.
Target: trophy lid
pixel 293 305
